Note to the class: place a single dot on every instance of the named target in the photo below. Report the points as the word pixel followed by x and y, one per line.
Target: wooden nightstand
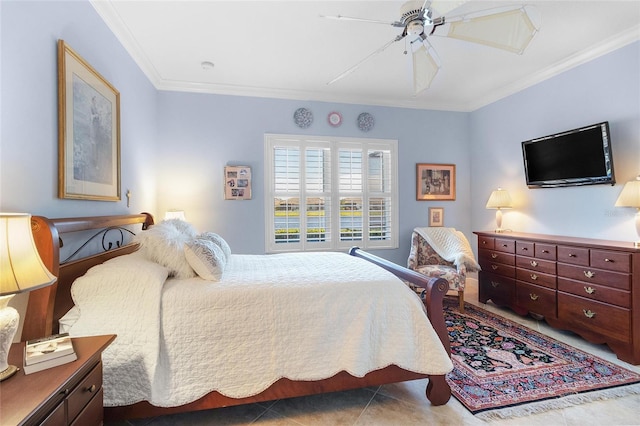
pixel 60 395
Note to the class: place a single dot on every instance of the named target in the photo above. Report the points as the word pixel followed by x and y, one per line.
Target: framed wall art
pixel 237 183
pixel 435 182
pixel 88 131
pixel 436 216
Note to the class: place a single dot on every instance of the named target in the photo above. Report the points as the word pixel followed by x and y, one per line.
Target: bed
pixel 47 306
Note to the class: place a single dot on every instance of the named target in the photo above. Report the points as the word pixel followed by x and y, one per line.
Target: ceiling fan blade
pixel 371 55
pixel 425 65
pixel 511 29
pixel 370 21
pixel 442 7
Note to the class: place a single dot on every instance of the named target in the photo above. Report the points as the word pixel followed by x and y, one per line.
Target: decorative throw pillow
pixel 219 241
pixel 164 244
pixel 206 258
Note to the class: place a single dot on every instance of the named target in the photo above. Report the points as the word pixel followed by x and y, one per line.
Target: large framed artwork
pixel 435 182
pixel 88 131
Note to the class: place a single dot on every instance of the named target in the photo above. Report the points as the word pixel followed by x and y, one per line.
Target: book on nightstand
pixel 48 352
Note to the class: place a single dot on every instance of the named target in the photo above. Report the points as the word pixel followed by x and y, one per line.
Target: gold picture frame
pixel 237 183
pixel 88 131
pixel 435 182
pixel 436 216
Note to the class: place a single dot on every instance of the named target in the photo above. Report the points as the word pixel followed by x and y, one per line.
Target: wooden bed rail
pixel 41 312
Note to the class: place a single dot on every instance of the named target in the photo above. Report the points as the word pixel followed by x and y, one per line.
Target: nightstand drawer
pixel 93 413
pixel 84 392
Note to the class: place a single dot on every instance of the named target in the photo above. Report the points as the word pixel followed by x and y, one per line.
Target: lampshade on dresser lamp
pixel 630 197
pixel 499 200
pixel 21 269
pixel 174 214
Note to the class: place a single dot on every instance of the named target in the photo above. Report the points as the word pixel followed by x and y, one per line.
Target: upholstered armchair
pixel 424 259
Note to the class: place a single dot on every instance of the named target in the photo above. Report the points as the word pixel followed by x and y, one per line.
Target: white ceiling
pixel 284 49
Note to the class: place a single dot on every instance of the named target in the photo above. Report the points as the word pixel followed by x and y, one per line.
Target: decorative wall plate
pixel 365 121
pixel 303 118
pixel 334 118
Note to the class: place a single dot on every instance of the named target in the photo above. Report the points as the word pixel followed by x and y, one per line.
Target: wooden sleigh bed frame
pixel 47 305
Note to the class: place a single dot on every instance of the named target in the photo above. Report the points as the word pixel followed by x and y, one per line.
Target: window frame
pixel 334 243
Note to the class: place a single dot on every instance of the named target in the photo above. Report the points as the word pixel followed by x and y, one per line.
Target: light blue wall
pixel 605 89
pixel 200 134
pixel 29 126
pixel 175 145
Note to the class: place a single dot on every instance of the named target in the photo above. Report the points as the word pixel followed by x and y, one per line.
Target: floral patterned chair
pixel 425 260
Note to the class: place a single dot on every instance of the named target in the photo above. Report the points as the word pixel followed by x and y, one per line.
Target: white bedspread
pixel 303 316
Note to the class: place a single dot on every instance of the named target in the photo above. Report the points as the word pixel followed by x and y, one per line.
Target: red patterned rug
pixel 503 369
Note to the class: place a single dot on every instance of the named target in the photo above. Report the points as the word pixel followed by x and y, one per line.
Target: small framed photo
pixel 88 131
pixel 436 216
pixel 237 183
pixel 435 182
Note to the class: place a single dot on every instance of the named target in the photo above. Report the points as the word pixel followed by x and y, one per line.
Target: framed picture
pixel 435 182
pixel 237 183
pixel 436 216
pixel 88 131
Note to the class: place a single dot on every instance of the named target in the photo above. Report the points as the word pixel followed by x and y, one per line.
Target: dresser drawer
pixel 491 256
pixel 498 288
pixel 536 278
pixel 507 246
pixel 538 265
pixel 573 255
pixel 84 392
pixel 525 248
pixel 545 251
pixel 597 292
pixel 486 242
pixel 591 275
pixel 611 260
pixel 596 317
pixel 498 268
pixel 536 299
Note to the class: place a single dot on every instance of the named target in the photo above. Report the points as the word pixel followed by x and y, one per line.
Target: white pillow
pixel 206 258
pixel 184 227
pixel 219 241
pixel 164 244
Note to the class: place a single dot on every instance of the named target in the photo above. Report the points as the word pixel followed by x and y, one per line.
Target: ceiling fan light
pixel 511 30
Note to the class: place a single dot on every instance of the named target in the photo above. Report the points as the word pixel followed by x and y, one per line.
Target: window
pixel 330 193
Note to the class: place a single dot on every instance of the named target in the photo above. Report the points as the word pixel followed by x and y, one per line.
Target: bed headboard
pixel 47 305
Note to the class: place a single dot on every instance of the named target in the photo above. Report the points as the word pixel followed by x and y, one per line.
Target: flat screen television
pixel 576 157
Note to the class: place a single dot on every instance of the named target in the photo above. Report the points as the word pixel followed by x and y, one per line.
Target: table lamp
pixel 630 197
pixel 21 269
pixel 174 214
pixel 499 200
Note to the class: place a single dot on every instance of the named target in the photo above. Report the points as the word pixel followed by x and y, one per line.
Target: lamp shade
pixel 174 214
pixel 21 268
pixel 630 195
pixel 499 199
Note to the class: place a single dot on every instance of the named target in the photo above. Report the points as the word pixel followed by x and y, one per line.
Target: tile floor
pixel 405 403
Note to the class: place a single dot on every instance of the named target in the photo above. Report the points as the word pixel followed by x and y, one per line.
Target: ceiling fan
pixel 508 28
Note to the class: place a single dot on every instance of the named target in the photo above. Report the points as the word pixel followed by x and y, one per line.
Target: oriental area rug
pixel 503 369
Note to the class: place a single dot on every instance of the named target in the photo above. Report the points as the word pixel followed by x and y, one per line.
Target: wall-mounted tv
pixel 576 157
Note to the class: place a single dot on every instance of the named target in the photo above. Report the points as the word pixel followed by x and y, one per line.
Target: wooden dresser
pixel 588 286
pixel 69 394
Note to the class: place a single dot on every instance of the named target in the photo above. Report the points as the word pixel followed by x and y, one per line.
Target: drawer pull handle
pixel 91 389
pixel 534 277
pixel 589 313
pixel 504 245
pixel 608 260
pixel 525 249
pixel 64 392
pixel 572 255
pixel 494 284
pixel 493 255
pixel 494 267
pixel 484 242
pixel 589 274
pixel 534 263
pixel 533 296
pixel 590 290
pixel 545 251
